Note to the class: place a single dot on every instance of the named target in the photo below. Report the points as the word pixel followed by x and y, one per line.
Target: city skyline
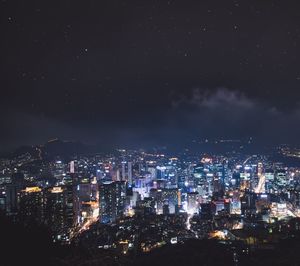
pixel 155 132
pixel 133 204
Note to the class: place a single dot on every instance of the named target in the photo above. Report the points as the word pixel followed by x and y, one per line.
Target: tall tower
pixel 130 173
pixel 118 177
pixel 123 170
pixel 261 179
pixel 72 167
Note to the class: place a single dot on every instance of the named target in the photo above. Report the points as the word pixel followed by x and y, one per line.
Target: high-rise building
pixel 261 186
pixel 130 173
pixel 72 167
pixel 120 197
pixel 11 191
pixel 31 208
pixel 123 170
pixel 111 200
pixel 170 198
pixel 118 176
pixel 56 212
pixel 192 202
pixel 280 177
pixel 235 203
pixel 70 206
pixel 59 170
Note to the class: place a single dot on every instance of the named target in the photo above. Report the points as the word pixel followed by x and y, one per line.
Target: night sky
pixel 149 72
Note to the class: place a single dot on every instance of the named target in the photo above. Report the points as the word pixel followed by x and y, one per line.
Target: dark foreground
pixel 33 246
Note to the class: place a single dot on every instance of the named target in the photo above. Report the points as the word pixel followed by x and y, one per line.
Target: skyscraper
pixel 31 205
pixel 72 167
pixel 130 173
pixel 123 170
pixel 56 211
pixel 192 202
pixel 112 200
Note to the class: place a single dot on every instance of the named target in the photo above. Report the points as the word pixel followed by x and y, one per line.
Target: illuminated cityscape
pixel 150 133
pixel 133 201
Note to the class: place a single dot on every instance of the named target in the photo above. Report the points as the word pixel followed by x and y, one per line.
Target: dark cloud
pixel 231 114
pixel 218 113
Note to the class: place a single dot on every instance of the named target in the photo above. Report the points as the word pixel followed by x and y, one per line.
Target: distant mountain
pixel 61 148
pixel 21 151
pixel 53 149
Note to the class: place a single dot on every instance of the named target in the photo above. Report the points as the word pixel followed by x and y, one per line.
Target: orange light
pixel 32 189
pixel 56 190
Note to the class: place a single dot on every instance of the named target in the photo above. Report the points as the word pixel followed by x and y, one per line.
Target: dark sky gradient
pixel 149 72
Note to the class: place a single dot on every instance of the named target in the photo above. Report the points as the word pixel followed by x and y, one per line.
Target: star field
pixel 113 63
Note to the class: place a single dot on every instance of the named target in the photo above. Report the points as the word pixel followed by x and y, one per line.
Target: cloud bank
pixel 231 114
pixel 221 113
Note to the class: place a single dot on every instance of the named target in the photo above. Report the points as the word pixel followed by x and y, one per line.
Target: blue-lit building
pixel 112 197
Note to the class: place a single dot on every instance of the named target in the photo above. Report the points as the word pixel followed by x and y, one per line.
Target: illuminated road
pixel 248 159
pixel 188 224
pixel 79 230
